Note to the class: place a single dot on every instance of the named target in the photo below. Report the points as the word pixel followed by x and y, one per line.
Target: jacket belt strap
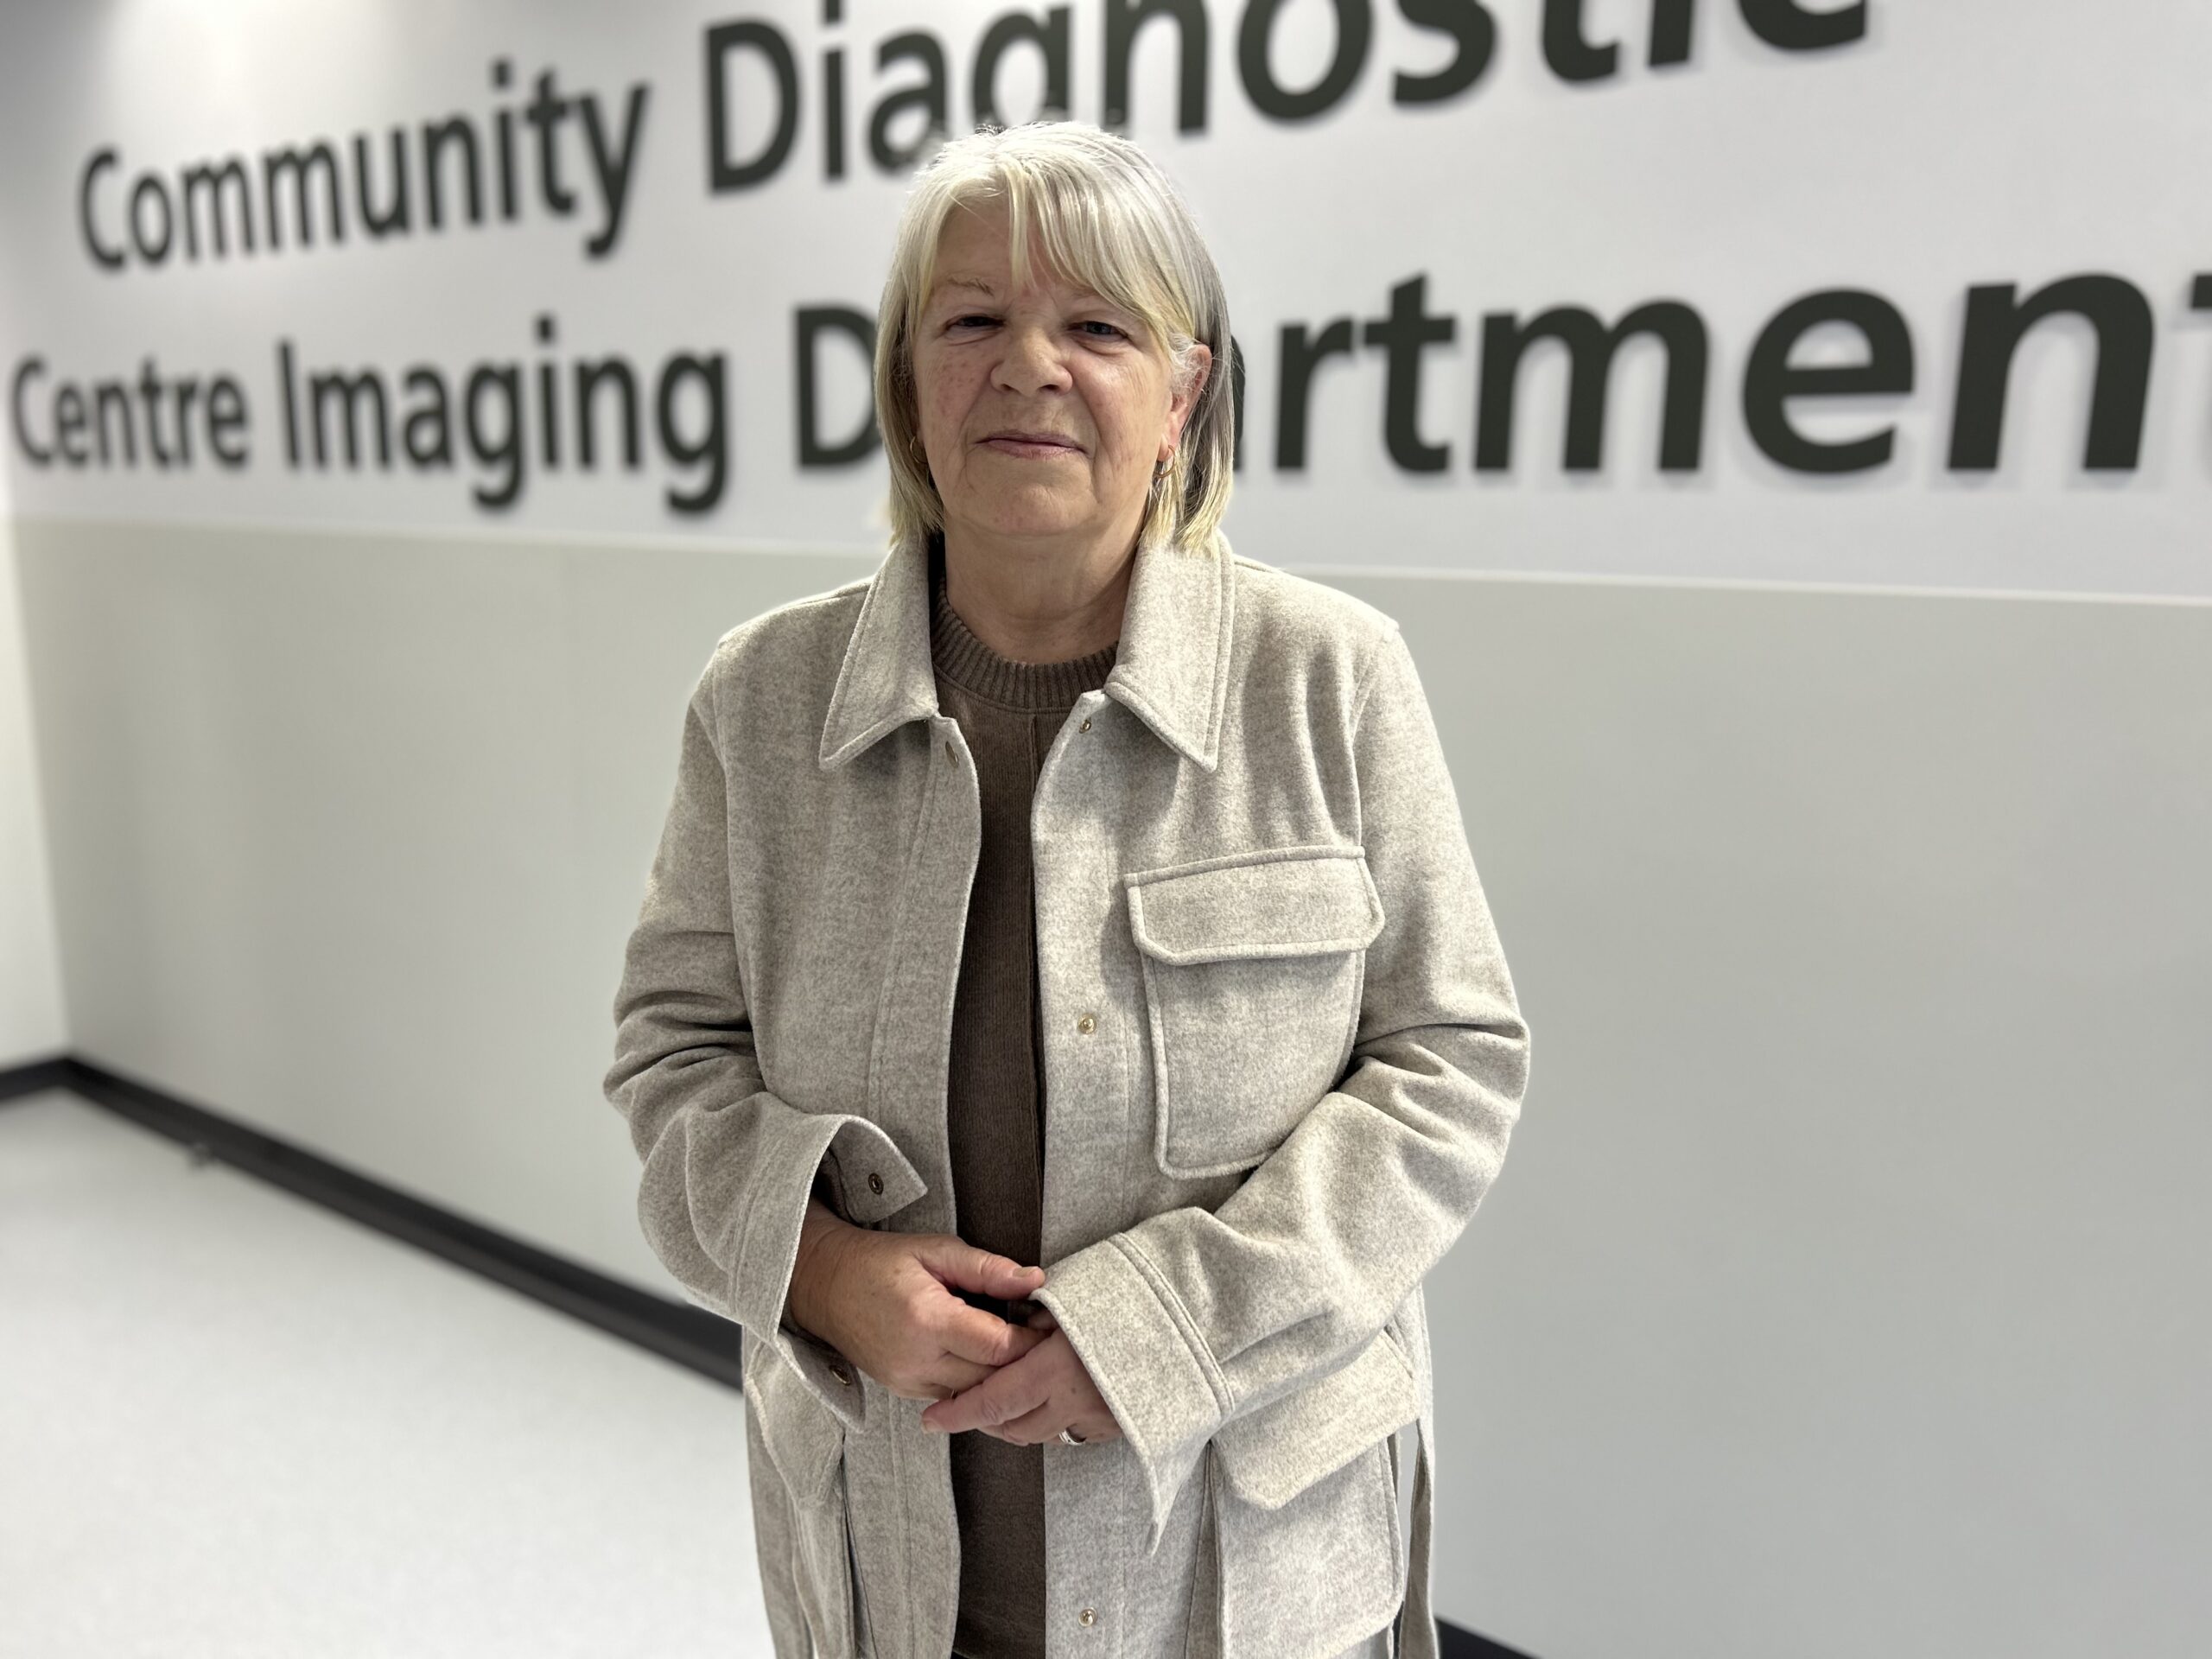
pixel 1417 1626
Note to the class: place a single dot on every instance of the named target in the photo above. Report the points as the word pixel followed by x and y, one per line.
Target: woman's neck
pixel 1032 610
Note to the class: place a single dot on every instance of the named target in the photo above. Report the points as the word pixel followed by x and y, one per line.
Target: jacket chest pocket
pixel 1253 965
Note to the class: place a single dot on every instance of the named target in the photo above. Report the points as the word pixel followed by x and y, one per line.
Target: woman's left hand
pixel 1029 1401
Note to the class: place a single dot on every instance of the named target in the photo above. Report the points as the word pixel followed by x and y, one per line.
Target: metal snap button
pixel 875 1182
pixel 1086 724
pixel 1088 1615
pixel 842 1375
pixel 1087 1024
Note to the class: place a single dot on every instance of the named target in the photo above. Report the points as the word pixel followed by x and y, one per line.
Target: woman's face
pixel 1055 359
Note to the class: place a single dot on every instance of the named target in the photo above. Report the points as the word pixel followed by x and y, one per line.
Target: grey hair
pixel 1108 218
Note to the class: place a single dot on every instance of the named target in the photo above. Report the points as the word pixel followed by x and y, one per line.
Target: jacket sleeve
pixel 1192 1318
pixel 729 1166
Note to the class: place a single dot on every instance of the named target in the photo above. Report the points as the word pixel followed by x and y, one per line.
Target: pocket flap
pixel 1276 1452
pixel 803 1437
pixel 1282 901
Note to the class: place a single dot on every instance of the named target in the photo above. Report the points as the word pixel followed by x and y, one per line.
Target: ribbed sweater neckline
pixel 974 666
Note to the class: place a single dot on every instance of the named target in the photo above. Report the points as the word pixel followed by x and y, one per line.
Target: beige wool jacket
pixel 1283 1057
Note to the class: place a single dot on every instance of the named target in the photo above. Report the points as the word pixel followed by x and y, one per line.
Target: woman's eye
pixel 1089 322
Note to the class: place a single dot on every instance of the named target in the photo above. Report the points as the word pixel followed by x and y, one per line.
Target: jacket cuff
pixel 849 1150
pixel 818 1364
pixel 1146 1357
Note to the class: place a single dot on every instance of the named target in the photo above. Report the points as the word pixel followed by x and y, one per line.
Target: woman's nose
pixel 1031 359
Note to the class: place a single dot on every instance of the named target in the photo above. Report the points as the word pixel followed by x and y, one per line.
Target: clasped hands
pixel 890 1303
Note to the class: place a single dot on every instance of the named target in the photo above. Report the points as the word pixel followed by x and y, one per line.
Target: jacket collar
pixel 1171 667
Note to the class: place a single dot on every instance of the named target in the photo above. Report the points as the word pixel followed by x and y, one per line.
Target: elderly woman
pixel 1065 1025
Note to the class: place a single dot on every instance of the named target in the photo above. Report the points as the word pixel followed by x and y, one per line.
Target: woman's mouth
pixel 1025 446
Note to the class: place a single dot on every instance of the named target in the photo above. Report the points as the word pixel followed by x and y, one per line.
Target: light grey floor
pixel 234 1424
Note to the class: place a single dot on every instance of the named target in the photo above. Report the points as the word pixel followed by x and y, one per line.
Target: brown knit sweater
pixel 1009 713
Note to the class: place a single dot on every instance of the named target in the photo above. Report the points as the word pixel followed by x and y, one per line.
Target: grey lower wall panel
pixel 1840 1291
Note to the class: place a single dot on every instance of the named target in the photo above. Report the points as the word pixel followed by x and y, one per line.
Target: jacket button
pixel 1086 1616
pixel 1087 1024
pixel 842 1375
pixel 949 759
pixel 875 1182
pixel 1086 724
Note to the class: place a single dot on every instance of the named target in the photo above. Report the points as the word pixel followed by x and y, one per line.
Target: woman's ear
pixel 1180 408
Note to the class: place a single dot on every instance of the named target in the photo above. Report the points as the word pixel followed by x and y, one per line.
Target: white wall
pixel 1764 212
pixel 32 1022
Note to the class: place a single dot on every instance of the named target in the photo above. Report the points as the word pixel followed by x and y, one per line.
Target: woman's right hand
pixel 890 1303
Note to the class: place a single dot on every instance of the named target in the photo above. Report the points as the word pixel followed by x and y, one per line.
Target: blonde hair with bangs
pixel 1108 218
